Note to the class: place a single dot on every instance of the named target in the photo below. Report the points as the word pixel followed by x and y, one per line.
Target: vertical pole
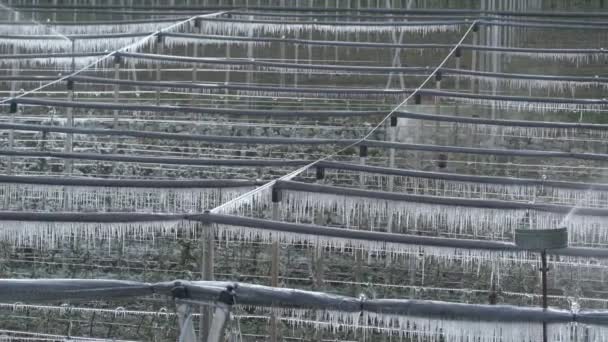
pixel 438 78
pixel 68 163
pixel 207 248
pixel 474 55
pixel 75 15
pixel 317 256
pixel 195 47
pixel 458 55
pixel 274 265
pixel 283 52
pixel 543 257
pixel 159 50
pixel 362 159
pixel 249 74
pixel 117 61
pixel 218 325
pixel 312 4
pixel 11 139
pixel 419 133
pixel 13 111
pixel 116 97
pixel 392 135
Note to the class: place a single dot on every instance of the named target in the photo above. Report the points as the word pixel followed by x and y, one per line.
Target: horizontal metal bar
pixel 462 178
pixel 436 200
pixel 154 160
pixel 130 183
pixel 375 236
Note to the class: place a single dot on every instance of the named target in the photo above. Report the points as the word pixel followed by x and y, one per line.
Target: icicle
pixel 19 197
pixel 173 42
pixel 247 204
pixel 233 28
pixel 437 329
pixel 530 106
pixel 555 85
pixel 93 29
pixel 574 58
pixel 48 44
pixel 447 255
pixel 508 192
pixel 572 134
pixel 80 62
pixel 49 234
pixel 373 213
pixel 46 309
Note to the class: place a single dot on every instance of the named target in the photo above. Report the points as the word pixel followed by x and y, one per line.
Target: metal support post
pixel 195 48
pixel 317 254
pixel 274 264
pixel 543 258
pixel 221 315
pixel 438 135
pixel 159 51
pixel 184 316
pixel 392 137
pixel 458 55
pixel 117 61
pixel 13 108
pixel 474 89
pixel 69 138
pixel 362 159
pixel 207 244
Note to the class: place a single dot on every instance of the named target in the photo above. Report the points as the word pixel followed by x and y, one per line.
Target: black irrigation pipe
pixel 28 290
pixel 178 136
pixel 148 13
pixel 188 109
pixel 253 62
pixel 435 200
pixel 26 78
pixel 227 86
pixel 484 151
pixel 97 22
pixel 545 25
pixel 305 141
pixel 76 36
pixel 461 178
pixel 429 23
pixel 130 183
pixel 448 12
pixel 441 93
pixel 50 55
pixel 381 45
pixel 348 68
pixel 259 295
pixel 88 217
pixel 500 122
pixel 481 21
pixel 535 77
pixel 367 235
pixel 318 90
pixel 229 183
pixel 408 17
pixel 154 160
pixel 344 23
pixel 320 43
pixel 297 41
pixel 366 91
pixel 307 229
